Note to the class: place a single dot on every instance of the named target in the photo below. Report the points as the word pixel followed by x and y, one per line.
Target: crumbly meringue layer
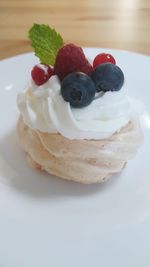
pixel 43 109
pixel 84 161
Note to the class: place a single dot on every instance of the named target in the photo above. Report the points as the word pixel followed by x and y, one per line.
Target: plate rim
pixel 84 47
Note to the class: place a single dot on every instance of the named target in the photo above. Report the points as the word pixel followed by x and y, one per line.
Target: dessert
pixel 75 120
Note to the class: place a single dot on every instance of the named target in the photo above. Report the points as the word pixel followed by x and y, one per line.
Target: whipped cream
pixel 44 109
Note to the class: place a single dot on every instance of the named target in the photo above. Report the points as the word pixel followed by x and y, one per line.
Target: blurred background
pixel 121 24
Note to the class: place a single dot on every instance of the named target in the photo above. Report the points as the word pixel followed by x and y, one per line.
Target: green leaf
pixel 46 42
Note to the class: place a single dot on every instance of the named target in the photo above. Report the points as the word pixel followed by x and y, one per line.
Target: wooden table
pixel 122 24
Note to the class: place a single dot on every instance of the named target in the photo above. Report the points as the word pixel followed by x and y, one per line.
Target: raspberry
pixel 71 58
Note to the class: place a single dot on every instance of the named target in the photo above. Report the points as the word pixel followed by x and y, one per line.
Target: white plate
pixel 45 221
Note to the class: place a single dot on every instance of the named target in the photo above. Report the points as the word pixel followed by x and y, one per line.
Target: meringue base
pixel 84 161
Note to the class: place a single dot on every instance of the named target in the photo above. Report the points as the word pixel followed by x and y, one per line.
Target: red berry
pixel 71 58
pixel 41 73
pixel 103 58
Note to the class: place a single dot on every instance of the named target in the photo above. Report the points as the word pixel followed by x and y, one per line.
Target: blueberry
pixel 78 89
pixel 108 77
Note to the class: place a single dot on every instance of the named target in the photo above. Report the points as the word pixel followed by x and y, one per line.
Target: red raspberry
pixel 71 58
pixel 103 58
pixel 41 73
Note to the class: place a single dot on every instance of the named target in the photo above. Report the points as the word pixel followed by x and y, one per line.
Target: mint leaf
pixel 46 43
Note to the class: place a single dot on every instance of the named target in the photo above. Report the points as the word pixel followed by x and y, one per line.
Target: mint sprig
pixel 46 43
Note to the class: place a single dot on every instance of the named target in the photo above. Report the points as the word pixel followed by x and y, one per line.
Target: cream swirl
pixel 44 109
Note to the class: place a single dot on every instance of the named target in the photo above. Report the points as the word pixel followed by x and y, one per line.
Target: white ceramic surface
pixel 48 222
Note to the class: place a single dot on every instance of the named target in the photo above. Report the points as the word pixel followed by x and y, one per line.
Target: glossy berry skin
pixel 78 89
pixel 108 77
pixel 41 73
pixel 103 58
